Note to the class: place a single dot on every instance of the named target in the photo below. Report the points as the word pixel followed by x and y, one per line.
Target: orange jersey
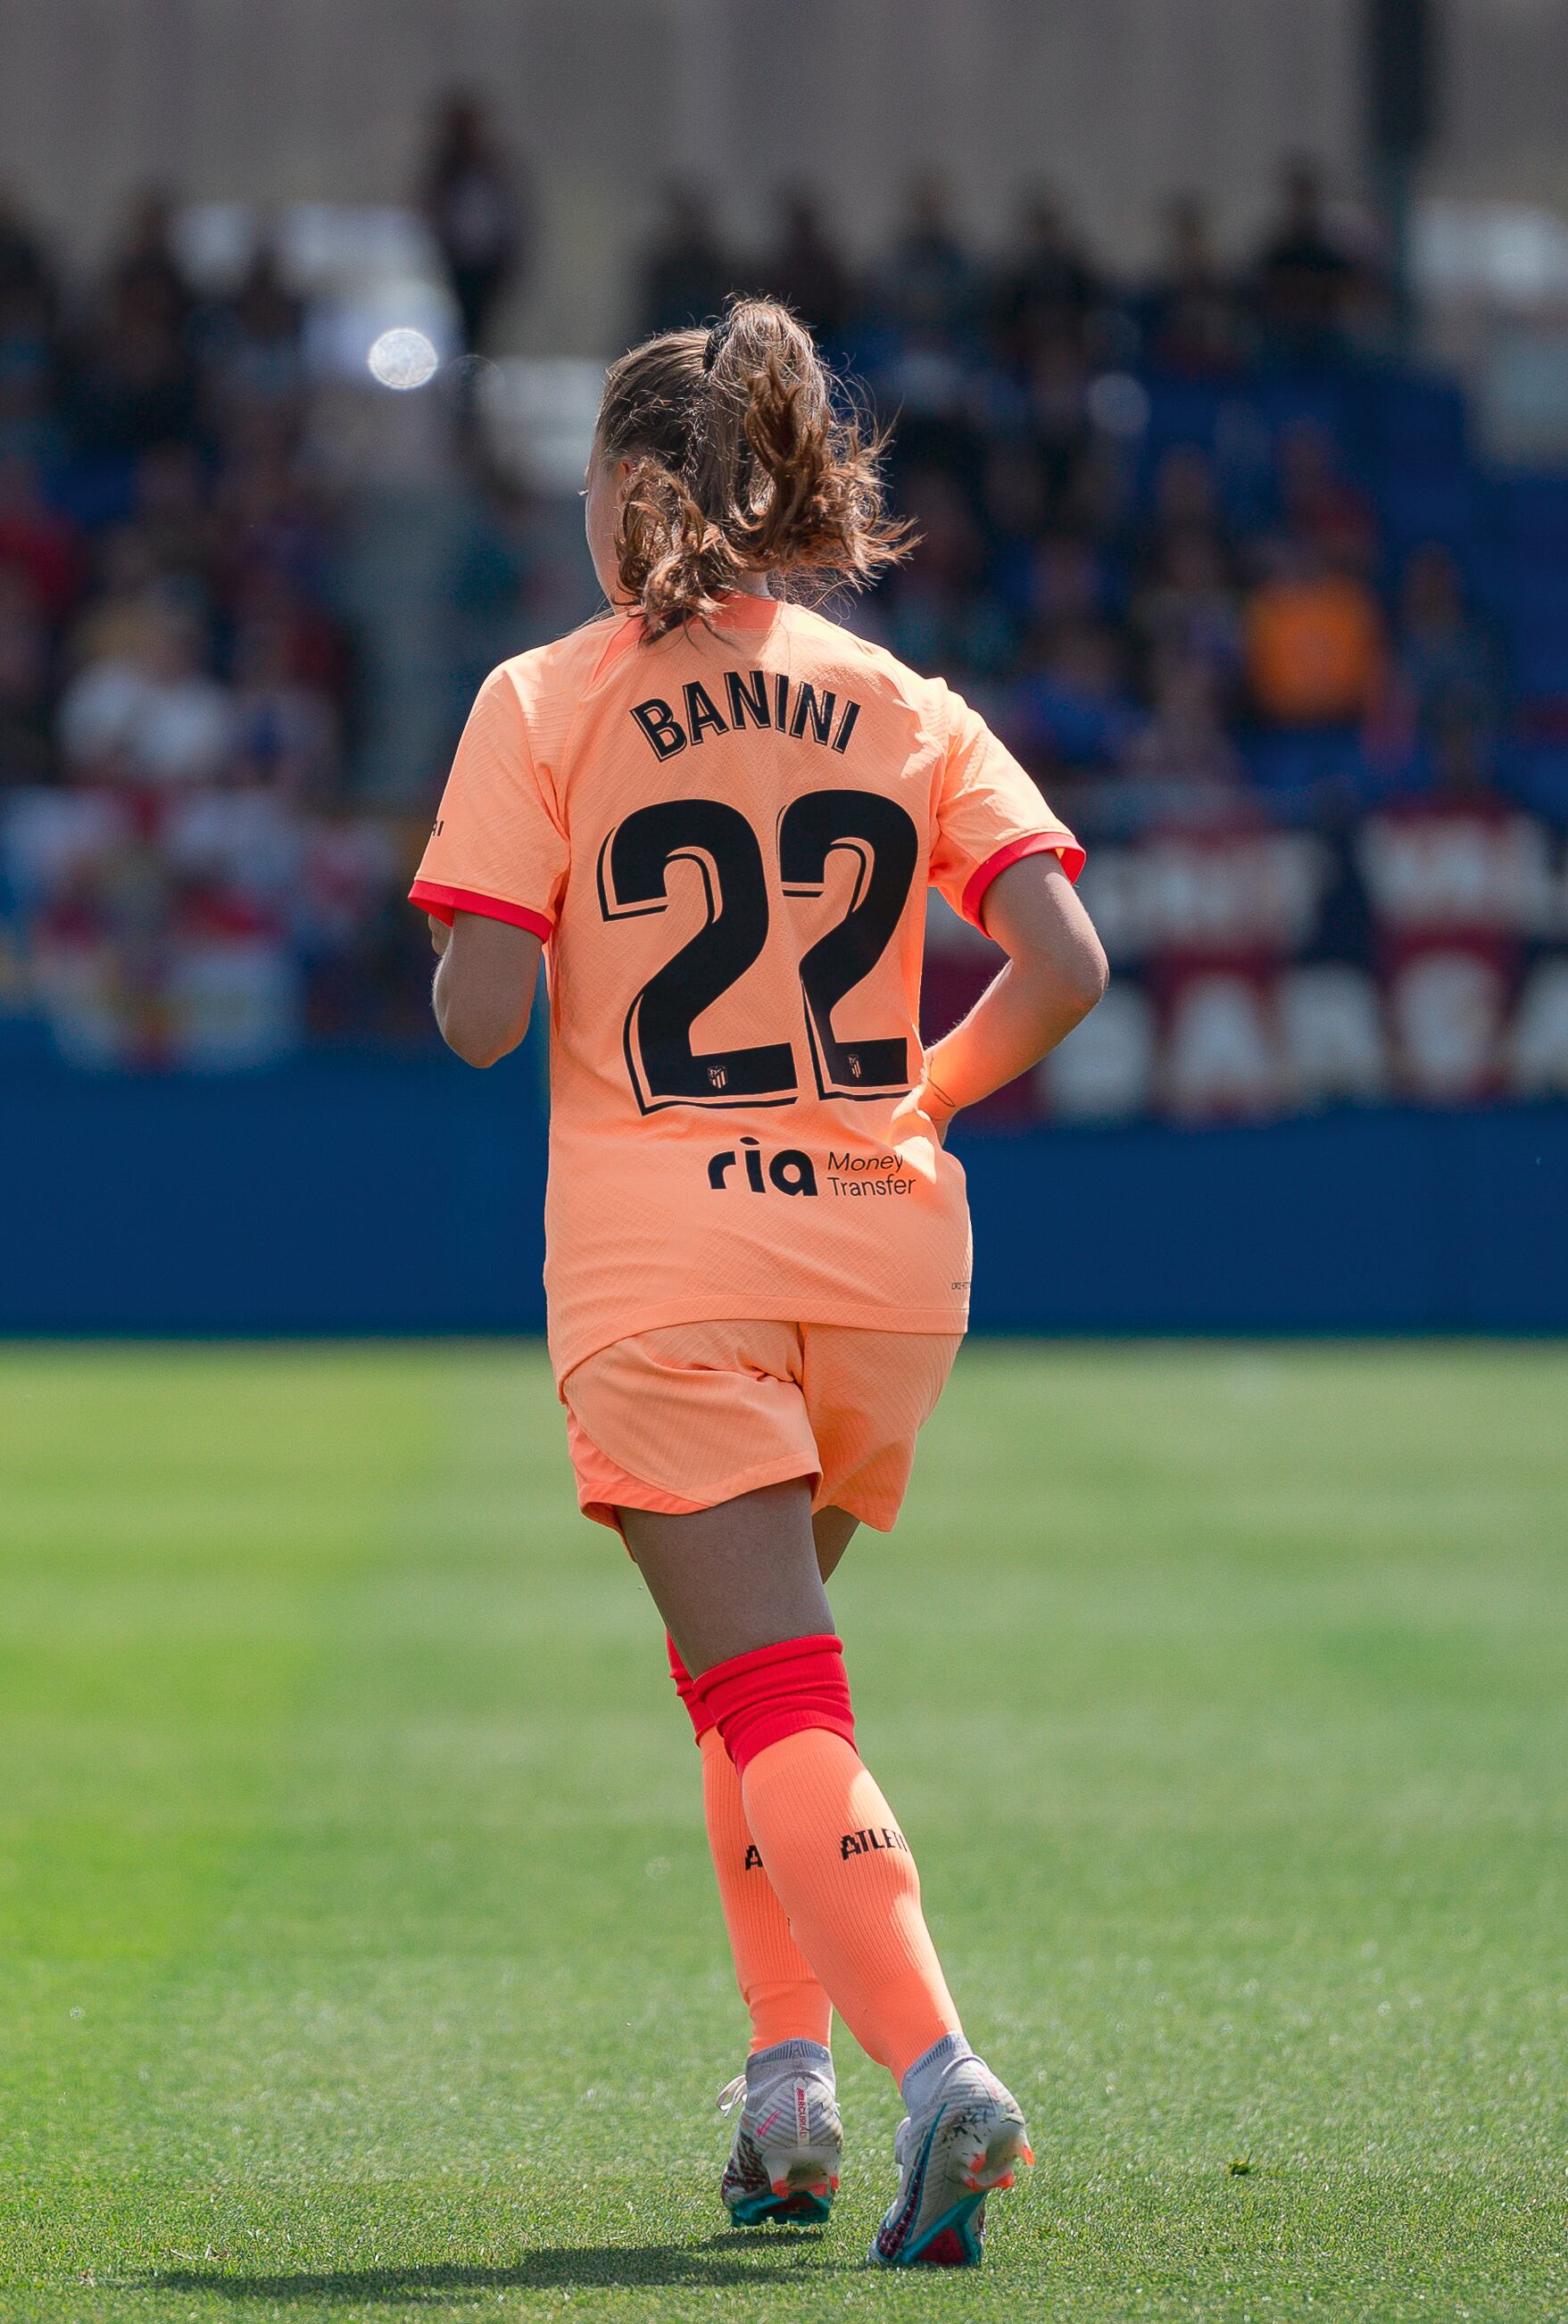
pixel 725 839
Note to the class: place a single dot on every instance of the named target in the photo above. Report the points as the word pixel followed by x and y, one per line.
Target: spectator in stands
pixel 36 541
pixel 1064 580
pixel 1315 653
pixel 931 388
pixel 26 751
pixel 276 544
pixel 1185 499
pixel 1058 394
pixel 945 615
pixel 494 548
pixel 320 655
pixel 929 286
pixel 1316 501
pixel 285 734
pixel 30 362
pixel 173 516
pixel 23 266
pixel 804 267
pixel 1189 314
pixel 1304 277
pixel 134 384
pixel 1189 607
pixel 1012 507
pixel 474 199
pixel 146 268
pixel 151 714
pixel 1097 499
pixel 1446 664
pixel 686 274
pixel 1184 744
pixel 1071 708
pixel 254 343
pixel 108 621
pixel 1046 288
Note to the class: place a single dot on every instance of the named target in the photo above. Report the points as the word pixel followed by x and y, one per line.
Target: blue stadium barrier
pixel 326 1195
pixel 1382 1221
pixel 370 1196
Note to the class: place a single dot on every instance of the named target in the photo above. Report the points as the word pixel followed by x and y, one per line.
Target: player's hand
pixel 936 1110
pixel 441 933
pixel 921 1112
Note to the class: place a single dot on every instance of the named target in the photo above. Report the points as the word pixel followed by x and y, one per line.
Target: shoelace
pixel 732 2095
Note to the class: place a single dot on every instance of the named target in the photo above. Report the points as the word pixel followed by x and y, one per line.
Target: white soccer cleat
pixel 964 2146
pixel 785 2155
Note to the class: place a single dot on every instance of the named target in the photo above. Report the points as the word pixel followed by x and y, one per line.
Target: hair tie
pixel 716 340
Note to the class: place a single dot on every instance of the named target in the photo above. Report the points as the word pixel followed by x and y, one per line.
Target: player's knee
pixel 758 1699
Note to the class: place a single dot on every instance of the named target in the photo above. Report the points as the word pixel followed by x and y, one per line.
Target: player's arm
pixel 485 980
pixel 1055 973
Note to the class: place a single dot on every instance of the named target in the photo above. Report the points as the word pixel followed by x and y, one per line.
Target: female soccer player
pixel 722 811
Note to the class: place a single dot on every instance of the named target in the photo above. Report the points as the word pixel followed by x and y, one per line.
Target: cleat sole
pixel 801 2196
pixel 957 2239
pixel 797 2210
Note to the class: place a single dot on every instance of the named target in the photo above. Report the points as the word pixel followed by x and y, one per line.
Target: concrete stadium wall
pixel 371 1197
pixel 1117 100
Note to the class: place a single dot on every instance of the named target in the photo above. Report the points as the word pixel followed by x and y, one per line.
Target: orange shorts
pixel 684 1417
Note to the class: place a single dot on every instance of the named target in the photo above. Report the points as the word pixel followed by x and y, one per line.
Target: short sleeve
pixel 498 847
pixel 990 813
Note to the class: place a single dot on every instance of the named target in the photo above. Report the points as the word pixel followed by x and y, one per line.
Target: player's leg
pixel 791 2015
pixel 681 1415
pixel 741 1591
pixel 783 1997
pixel 781 1993
pixel 783 2162
pixel 868 1395
pixel 655 1421
pixel 784 2157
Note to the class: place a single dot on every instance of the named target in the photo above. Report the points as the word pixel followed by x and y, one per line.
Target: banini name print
pixel 751 699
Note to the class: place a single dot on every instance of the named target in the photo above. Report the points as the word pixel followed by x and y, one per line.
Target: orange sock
pixel 843 1871
pixel 786 2001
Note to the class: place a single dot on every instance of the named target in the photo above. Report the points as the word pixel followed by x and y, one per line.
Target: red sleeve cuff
pixel 1057 843
pixel 442 903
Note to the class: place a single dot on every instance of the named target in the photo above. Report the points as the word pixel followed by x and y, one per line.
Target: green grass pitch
pixel 358 1954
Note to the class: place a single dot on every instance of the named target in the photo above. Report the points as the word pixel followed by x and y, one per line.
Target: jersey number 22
pixel 633 865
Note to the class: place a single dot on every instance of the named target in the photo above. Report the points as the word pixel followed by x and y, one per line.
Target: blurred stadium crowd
pixel 1216 558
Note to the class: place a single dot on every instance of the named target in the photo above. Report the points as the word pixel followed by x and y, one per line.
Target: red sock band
pixel 757 1699
pixel 686 1687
